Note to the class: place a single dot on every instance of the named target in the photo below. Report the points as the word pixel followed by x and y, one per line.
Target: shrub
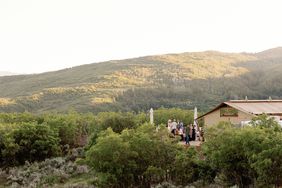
pixel 246 156
pixel 36 142
pixel 46 173
pixel 140 157
pixel 27 141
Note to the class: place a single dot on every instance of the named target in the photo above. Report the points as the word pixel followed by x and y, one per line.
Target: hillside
pixel 182 80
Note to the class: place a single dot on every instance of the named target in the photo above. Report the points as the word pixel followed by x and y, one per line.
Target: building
pixel 240 112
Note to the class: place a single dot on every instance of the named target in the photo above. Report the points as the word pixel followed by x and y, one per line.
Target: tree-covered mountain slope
pixel 172 80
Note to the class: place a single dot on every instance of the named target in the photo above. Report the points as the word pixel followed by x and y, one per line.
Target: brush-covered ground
pixel 184 80
pixel 114 149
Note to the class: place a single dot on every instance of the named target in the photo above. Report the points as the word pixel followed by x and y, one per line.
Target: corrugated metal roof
pixel 258 107
pixel 254 107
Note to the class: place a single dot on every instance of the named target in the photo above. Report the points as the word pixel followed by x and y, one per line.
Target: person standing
pixel 187 130
pixel 173 127
pixel 184 133
pixel 193 133
pixel 198 135
pixel 181 125
pixel 169 125
pixel 190 132
pixel 180 132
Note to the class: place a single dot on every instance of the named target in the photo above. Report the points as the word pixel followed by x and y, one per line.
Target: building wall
pixel 214 118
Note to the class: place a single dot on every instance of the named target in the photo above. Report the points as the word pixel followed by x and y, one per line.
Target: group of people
pixel 187 133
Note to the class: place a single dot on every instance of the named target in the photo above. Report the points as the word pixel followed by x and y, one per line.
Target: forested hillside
pixel 173 80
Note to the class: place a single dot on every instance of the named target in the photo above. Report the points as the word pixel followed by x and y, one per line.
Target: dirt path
pixel 192 143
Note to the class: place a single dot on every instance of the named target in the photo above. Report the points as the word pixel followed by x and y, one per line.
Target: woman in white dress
pixel 169 125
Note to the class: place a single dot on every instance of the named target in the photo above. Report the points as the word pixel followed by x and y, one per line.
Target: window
pixel 228 112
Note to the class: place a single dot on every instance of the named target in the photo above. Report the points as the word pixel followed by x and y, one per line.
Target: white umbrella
pixel 195 118
pixel 152 116
pixel 195 122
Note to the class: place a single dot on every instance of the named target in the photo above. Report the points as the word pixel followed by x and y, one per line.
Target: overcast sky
pixel 44 35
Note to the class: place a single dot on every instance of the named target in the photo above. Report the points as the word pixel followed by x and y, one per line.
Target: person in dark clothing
pixel 187 137
pixel 193 134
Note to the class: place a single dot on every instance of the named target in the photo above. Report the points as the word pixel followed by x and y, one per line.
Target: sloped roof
pixel 254 107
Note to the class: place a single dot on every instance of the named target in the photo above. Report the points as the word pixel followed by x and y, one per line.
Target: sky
pixel 45 35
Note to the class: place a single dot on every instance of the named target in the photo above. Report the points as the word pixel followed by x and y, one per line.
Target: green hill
pixel 173 80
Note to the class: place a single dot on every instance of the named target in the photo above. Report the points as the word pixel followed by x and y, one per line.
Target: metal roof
pixel 254 107
pixel 258 107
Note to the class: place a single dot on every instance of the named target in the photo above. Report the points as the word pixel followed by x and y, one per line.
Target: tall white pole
pixel 195 117
pixel 151 116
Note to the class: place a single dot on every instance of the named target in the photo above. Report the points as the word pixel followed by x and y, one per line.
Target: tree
pixel 268 163
pixel 141 157
pixel 36 142
pixel 264 121
pixel 185 167
pixel 225 153
pixel 246 156
pixel 162 115
pixel 113 159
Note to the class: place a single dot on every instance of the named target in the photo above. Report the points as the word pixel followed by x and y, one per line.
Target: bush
pixel 117 121
pixel 162 115
pixel 113 159
pixel 73 128
pixel 185 169
pixel 46 173
pixel 36 142
pixel 246 156
pixel 27 142
pixel 140 157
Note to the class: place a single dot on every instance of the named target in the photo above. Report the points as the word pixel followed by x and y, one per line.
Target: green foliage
pixel 162 115
pixel 113 159
pixel 263 121
pixel 124 150
pixel 268 163
pixel 185 168
pixel 206 173
pixel 174 80
pixel 214 131
pixel 121 160
pixel 11 118
pixel 71 128
pixel 117 121
pixel 245 156
pixel 36 142
pixel 28 141
pixel 226 154
pixel 27 137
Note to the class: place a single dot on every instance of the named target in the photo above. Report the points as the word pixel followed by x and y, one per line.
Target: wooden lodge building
pixel 240 112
